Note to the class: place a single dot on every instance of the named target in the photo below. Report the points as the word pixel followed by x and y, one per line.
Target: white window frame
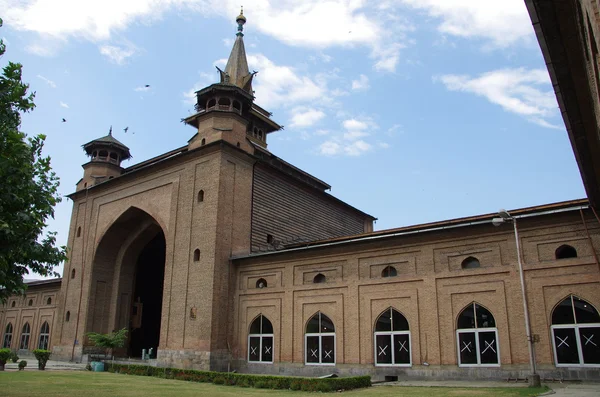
pixel 391 334
pixel 12 328
pixel 44 335
pixel 476 331
pixel 578 340
pixel 23 335
pixel 260 336
pixel 320 335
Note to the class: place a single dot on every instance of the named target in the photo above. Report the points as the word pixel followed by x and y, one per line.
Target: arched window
pixel 203 142
pixel 25 337
pixel 470 263
pixel 225 102
pixel 30 303
pixel 261 283
pixel 94 155
pixel 103 154
pixel 260 135
pixel 477 337
pixel 319 341
pixel 392 339
pixel 8 331
pixel 201 196
pixel 44 336
pixel 49 301
pixel 389 271
pixel 67 316
pixel 196 255
pixel 576 333
pixel 565 251
pixel 211 103
pixel 72 274
pixel 113 157
pixel 260 341
pixel 319 278
pixel 13 304
pixel 79 231
pixel 237 106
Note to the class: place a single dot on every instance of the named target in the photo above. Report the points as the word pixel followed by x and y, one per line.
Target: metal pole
pixel 534 379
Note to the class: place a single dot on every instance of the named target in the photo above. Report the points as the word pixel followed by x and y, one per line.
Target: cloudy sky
pixel 413 110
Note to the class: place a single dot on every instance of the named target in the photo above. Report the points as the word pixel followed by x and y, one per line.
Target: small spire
pixel 241 20
pixel 110 131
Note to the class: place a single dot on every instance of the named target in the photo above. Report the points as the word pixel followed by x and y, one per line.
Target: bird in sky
pixel 126 129
pixel 64 120
pixel 147 85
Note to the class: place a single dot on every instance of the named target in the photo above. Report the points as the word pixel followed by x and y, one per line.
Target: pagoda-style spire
pixel 237 72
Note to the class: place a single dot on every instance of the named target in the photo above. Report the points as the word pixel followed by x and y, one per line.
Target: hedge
pixel 244 380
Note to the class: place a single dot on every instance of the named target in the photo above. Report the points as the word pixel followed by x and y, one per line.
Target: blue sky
pixel 413 110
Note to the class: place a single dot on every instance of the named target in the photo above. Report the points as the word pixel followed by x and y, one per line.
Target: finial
pixel 110 131
pixel 241 20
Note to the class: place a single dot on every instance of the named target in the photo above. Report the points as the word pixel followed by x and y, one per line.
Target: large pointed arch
pixel 114 298
pixel 260 340
pixel 319 340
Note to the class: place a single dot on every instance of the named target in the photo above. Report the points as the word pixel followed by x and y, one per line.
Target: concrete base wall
pixel 65 353
pixel 186 359
pixel 419 371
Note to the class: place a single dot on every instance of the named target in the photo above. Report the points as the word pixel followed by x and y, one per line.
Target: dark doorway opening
pixel 148 294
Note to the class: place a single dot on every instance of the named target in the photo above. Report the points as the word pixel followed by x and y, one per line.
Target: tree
pixel 108 341
pixel 28 193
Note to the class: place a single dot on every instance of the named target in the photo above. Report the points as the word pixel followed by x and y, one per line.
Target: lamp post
pixel 505 217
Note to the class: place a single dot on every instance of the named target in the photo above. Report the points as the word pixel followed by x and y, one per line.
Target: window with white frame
pixel 25 337
pixel 392 339
pixel 44 336
pixel 319 342
pixel 260 341
pixel 576 333
pixel 477 338
pixel 7 336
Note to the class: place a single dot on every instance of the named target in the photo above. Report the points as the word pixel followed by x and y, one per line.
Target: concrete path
pixel 451 383
pixel 576 390
pixel 50 365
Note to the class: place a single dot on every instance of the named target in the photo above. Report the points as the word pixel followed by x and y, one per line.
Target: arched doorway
pixel 127 282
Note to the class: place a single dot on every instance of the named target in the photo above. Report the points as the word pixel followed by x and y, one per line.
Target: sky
pixel 414 111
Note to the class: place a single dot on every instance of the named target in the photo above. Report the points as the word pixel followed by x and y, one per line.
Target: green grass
pixel 94 384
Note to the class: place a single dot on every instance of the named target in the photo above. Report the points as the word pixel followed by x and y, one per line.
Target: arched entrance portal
pixel 127 282
pixel 148 293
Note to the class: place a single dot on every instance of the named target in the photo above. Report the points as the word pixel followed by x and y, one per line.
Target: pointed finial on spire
pixel 241 20
pixel 110 131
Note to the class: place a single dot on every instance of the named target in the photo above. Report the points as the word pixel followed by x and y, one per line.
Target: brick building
pixel 221 255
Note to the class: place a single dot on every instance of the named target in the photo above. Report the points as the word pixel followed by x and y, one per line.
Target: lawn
pixel 94 384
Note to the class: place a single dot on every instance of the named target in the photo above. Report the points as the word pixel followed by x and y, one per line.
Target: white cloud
pixel 64 105
pixel 142 88
pixel 352 135
pixel 228 42
pixel 330 23
pixel 322 132
pixel 206 79
pixel 361 84
pixel 47 81
pixel 118 54
pixel 329 148
pixel 521 91
pixel 305 117
pixel 353 124
pixel 501 23
pixel 357 148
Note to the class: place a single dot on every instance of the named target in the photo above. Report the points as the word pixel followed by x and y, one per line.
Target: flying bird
pixel 64 120
pixel 126 129
pixel 147 85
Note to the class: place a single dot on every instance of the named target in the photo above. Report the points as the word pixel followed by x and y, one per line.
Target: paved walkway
pixel 50 365
pixel 576 390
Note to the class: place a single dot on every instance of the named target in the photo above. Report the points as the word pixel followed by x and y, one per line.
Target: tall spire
pixel 236 71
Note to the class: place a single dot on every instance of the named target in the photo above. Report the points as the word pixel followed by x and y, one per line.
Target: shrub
pixel 42 357
pixel 88 367
pixel 22 365
pixel 5 355
pixel 245 380
pixel 13 357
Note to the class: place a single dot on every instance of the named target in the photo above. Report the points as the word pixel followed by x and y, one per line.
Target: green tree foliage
pixel 108 341
pixel 28 193
pixel 42 356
